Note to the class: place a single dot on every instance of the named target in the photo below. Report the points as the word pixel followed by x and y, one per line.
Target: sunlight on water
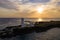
pixel 39 19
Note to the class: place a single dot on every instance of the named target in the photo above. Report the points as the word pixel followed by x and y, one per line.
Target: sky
pixel 27 8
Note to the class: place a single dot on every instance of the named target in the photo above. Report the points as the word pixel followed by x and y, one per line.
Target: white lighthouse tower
pixel 22 22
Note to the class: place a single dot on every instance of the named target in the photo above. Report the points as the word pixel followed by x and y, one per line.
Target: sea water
pixel 4 22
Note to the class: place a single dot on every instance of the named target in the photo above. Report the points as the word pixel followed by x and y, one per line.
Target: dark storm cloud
pixel 7 4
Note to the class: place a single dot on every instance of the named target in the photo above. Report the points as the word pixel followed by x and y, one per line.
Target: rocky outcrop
pixel 11 31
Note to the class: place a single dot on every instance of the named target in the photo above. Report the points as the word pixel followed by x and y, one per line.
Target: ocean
pixel 4 22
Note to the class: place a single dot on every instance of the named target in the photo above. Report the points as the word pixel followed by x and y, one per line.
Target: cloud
pixel 7 4
pixel 34 1
pixel 27 8
pixel 39 1
pixel 6 12
pixel 53 2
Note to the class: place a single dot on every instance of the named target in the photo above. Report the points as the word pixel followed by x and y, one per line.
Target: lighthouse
pixel 22 22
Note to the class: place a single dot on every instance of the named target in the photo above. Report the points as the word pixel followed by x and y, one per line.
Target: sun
pixel 40 9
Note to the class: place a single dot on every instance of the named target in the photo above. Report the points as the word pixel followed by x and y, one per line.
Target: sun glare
pixel 40 20
pixel 40 9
